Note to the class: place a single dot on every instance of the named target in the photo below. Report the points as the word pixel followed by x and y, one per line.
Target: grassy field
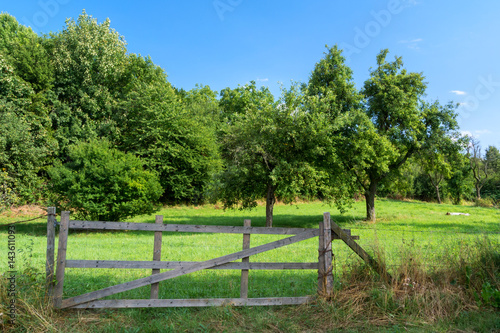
pixel 435 259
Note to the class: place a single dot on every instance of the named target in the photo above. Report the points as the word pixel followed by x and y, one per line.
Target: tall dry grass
pixel 419 294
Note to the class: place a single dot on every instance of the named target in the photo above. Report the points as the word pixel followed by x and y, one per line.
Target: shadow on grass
pixel 292 221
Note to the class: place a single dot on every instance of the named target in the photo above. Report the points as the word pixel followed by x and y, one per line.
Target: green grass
pixel 405 232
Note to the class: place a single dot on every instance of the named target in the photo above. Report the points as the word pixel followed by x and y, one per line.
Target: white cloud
pixel 476 134
pixel 413 43
pixel 416 40
pixel 466 133
pixel 458 92
pixel 262 80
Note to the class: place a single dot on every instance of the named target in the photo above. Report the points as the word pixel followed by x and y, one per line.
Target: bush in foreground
pixel 102 183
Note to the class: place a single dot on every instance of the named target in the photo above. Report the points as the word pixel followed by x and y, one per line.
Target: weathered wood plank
pixel 380 269
pixel 187 269
pixel 155 287
pixel 49 263
pixel 177 264
pixel 321 259
pixel 167 303
pixel 328 255
pixel 61 259
pixel 244 272
pixel 74 224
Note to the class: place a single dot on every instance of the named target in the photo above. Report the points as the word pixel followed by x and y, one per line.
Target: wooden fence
pixel 326 232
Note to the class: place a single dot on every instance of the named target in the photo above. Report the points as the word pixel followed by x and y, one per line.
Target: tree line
pixel 98 130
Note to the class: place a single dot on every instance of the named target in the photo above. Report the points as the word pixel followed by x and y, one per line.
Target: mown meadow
pixel 445 272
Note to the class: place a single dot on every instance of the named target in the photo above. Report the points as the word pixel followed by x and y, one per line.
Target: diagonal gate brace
pixel 186 270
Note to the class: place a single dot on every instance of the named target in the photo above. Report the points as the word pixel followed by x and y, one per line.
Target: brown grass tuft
pixel 24 211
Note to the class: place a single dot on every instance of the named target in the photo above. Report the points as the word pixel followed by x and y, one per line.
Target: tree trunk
pixel 370 201
pixel 270 200
pixel 436 180
pixel 478 192
pixel 437 193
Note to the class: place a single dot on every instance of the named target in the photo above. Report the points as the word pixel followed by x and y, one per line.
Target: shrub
pixel 485 202
pixel 491 189
pixel 101 183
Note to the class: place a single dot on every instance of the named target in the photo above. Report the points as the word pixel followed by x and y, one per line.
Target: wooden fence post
pixel 155 287
pixel 325 271
pixel 244 272
pixel 61 259
pixel 49 264
pixel 321 259
pixel 328 254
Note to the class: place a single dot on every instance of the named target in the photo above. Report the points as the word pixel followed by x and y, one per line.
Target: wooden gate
pixel 92 299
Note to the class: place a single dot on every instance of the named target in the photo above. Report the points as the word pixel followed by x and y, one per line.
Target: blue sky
pixel 223 43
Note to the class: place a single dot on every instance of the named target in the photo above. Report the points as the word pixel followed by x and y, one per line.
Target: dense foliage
pixel 104 184
pixel 64 93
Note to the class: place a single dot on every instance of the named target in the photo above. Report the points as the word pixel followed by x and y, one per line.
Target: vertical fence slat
pixel 321 259
pixel 328 254
pixel 61 259
pixel 244 272
pixel 49 264
pixel 155 287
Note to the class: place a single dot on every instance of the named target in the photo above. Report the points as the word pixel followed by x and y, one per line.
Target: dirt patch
pixel 24 211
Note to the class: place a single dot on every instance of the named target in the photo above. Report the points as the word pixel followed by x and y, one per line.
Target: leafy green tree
pixel 201 102
pixel 379 128
pixel 23 147
pixel 442 150
pixel 28 62
pixel 461 185
pixel 26 143
pixel 26 52
pixel 237 101
pixel 397 133
pixel 478 165
pixel 167 133
pixel 102 183
pixel 88 60
pixel 492 156
pixel 406 183
pixel 491 187
pixel 271 149
pixel 331 88
pixel 20 160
